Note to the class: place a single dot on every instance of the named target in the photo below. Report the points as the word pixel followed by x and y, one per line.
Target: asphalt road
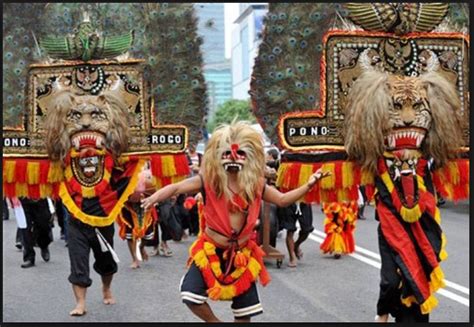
pixel 320 289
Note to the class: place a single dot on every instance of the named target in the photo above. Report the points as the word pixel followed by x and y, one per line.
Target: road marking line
pixel 358 248
pixel 369 253
pixel 313 236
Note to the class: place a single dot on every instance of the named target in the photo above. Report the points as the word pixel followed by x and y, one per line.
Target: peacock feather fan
pixel 286 73
pixel 19 51
pixel 165 35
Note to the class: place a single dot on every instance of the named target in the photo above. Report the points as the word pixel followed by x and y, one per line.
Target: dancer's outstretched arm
pixel 189 185
pixel 285 199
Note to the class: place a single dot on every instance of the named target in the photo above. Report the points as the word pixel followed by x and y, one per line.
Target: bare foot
pixel 298 253
pixel 135 265
pixel 78 311
pixel 144 254
pixel 108 297
pixel 382 318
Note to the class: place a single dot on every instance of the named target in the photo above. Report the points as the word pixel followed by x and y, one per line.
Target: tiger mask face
pixel 398 113
pixel 409 114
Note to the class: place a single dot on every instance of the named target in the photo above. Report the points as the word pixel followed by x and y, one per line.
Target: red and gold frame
pixel 321 129
pixel 26 139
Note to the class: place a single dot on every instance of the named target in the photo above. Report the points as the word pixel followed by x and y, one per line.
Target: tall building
pixel 217 69
pixel 246 37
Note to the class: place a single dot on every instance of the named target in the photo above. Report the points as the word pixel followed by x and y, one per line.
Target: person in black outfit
pixel 38 230
pixel 6 213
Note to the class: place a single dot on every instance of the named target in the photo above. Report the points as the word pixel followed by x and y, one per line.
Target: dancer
pixel 339 226
pixel 135 225
pixel 302 213
pixel 422 121
pixel 224 263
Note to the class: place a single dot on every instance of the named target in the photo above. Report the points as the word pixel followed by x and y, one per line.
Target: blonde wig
pixel 250 178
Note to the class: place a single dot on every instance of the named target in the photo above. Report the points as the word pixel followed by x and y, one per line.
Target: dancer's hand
pixel 149 202
pixel 318 175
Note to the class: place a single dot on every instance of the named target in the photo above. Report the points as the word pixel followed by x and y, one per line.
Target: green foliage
pixel 230 110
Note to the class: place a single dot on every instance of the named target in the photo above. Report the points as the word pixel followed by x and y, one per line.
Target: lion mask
pixel 87 127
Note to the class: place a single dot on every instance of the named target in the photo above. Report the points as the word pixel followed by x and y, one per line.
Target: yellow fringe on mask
pixel 306 171
pixel 347 174
pixel 55 173
pixel 410 215
pixel 449 190
pixel 46 190
pixel 330 181
pixel 32 172
pixel 9 171
pixel 342 195
pixel 168 167
pixel 366 177
pixel 97 220
pixel 281 174
pixel 21 190
pixel 453 172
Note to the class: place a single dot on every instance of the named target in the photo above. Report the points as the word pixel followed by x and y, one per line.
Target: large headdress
pixel 358 79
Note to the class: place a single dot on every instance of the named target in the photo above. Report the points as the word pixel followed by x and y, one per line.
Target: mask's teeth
pixel 75 143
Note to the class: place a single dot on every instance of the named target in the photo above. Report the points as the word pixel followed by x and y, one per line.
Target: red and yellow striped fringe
pixel 342 185
pixel 40 178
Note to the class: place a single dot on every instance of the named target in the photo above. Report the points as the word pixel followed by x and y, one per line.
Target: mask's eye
pixel 397 106
pixel 241 153
pixel 417 105
pixel 227 153
pixel 75 114
pixel 96 114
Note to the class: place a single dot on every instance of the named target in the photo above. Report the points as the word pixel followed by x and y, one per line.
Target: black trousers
pixel 38 227
pixel 194 220
pixel 82 239
pixel 390 293
pixel 60 214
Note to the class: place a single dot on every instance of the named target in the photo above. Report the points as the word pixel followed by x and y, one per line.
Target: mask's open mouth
pixel 405 138
pixel 88 139
pixel 232 166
